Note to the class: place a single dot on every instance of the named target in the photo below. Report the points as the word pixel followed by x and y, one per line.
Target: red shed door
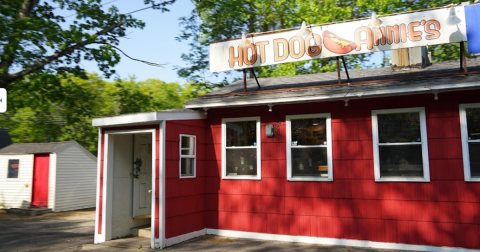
pixel 40 180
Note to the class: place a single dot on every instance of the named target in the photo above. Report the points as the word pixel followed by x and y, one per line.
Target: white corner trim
pixel 334 241
pixel 185 237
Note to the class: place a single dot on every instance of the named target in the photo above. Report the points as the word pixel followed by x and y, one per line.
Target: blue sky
pixel 155 43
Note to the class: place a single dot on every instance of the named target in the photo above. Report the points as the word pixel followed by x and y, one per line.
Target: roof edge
pixel 342 96
pixel 147 118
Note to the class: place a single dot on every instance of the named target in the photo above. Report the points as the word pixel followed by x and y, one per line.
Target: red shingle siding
pixel 185 202
pixel 442 212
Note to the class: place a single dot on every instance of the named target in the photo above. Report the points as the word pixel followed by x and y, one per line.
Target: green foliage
pixel 35 38
pixel 214 20
pixel 45 108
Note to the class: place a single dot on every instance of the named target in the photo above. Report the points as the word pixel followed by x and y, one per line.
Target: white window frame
pixel 194 156
pixel 257 146
pixel 465 141
pixel 18 169
pixel 423 143
pixel 328 125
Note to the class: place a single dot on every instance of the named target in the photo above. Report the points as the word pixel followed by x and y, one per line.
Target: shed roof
pixel 364 83
pixel 35 148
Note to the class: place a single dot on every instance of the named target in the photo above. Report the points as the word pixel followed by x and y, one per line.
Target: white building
pixel 60 176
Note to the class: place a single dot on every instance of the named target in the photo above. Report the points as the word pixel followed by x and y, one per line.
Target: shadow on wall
pixel 442 212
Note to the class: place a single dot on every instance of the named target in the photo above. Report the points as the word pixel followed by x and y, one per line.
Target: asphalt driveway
pixel 66 231
pixel 73 231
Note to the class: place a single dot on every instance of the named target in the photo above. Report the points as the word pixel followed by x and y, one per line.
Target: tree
pixel 36 39
pixel 214 20
pixel 45 108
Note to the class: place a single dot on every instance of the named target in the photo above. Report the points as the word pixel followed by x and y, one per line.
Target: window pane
pixel 13 166
pixel 405 160
pixel 474 150
pixel 309 162
pixel 397 128
pixel 241 133
pixel 473 123
pixel 186 166
pixel 188 147
pixel 241 161
pixel 311 131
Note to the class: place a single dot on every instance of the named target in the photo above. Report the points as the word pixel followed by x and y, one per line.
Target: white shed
pixel 60 176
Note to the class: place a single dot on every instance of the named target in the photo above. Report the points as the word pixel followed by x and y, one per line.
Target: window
pixel 13 166
pixel 400 145
pixel 241 148
pixel 470 128
pixel 187 156
pixel 309 147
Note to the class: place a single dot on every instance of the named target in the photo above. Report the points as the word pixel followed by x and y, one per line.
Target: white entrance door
pixel 142 171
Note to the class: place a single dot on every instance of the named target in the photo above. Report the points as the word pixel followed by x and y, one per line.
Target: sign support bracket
pixel 463 59
pixel 253 73
pixel 338 71
pixel 345 67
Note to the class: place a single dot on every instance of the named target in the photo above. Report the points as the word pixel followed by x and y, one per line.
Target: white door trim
pixel 108 182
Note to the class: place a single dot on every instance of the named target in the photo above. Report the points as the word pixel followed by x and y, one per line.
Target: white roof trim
pixel 355 92
pixel 146 118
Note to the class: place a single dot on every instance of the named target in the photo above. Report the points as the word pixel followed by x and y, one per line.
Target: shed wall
pixel 76 175
pixel 442 212
pixel 185 198
pixel 16 192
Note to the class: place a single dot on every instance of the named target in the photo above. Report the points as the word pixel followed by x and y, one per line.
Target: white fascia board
pixel 354 93
pixel 146 118
pixel 184 115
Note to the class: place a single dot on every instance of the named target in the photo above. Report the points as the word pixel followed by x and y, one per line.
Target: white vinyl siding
pixel 75 180
pixel 16 192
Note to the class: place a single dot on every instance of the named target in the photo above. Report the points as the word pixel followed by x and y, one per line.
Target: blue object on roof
pixel 472 16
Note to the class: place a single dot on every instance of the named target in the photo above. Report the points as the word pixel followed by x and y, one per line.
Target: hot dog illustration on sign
pixel 338 45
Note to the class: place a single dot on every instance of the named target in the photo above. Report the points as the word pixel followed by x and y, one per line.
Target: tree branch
pixel 10 48
pixel 41 63
pixel 139 60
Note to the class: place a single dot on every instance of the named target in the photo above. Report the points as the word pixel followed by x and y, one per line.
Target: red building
pixel 387 159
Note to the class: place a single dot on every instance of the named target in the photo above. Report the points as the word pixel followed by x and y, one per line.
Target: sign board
pixel 431 27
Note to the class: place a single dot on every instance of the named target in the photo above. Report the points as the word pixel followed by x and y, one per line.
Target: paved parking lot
pixel 73 231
